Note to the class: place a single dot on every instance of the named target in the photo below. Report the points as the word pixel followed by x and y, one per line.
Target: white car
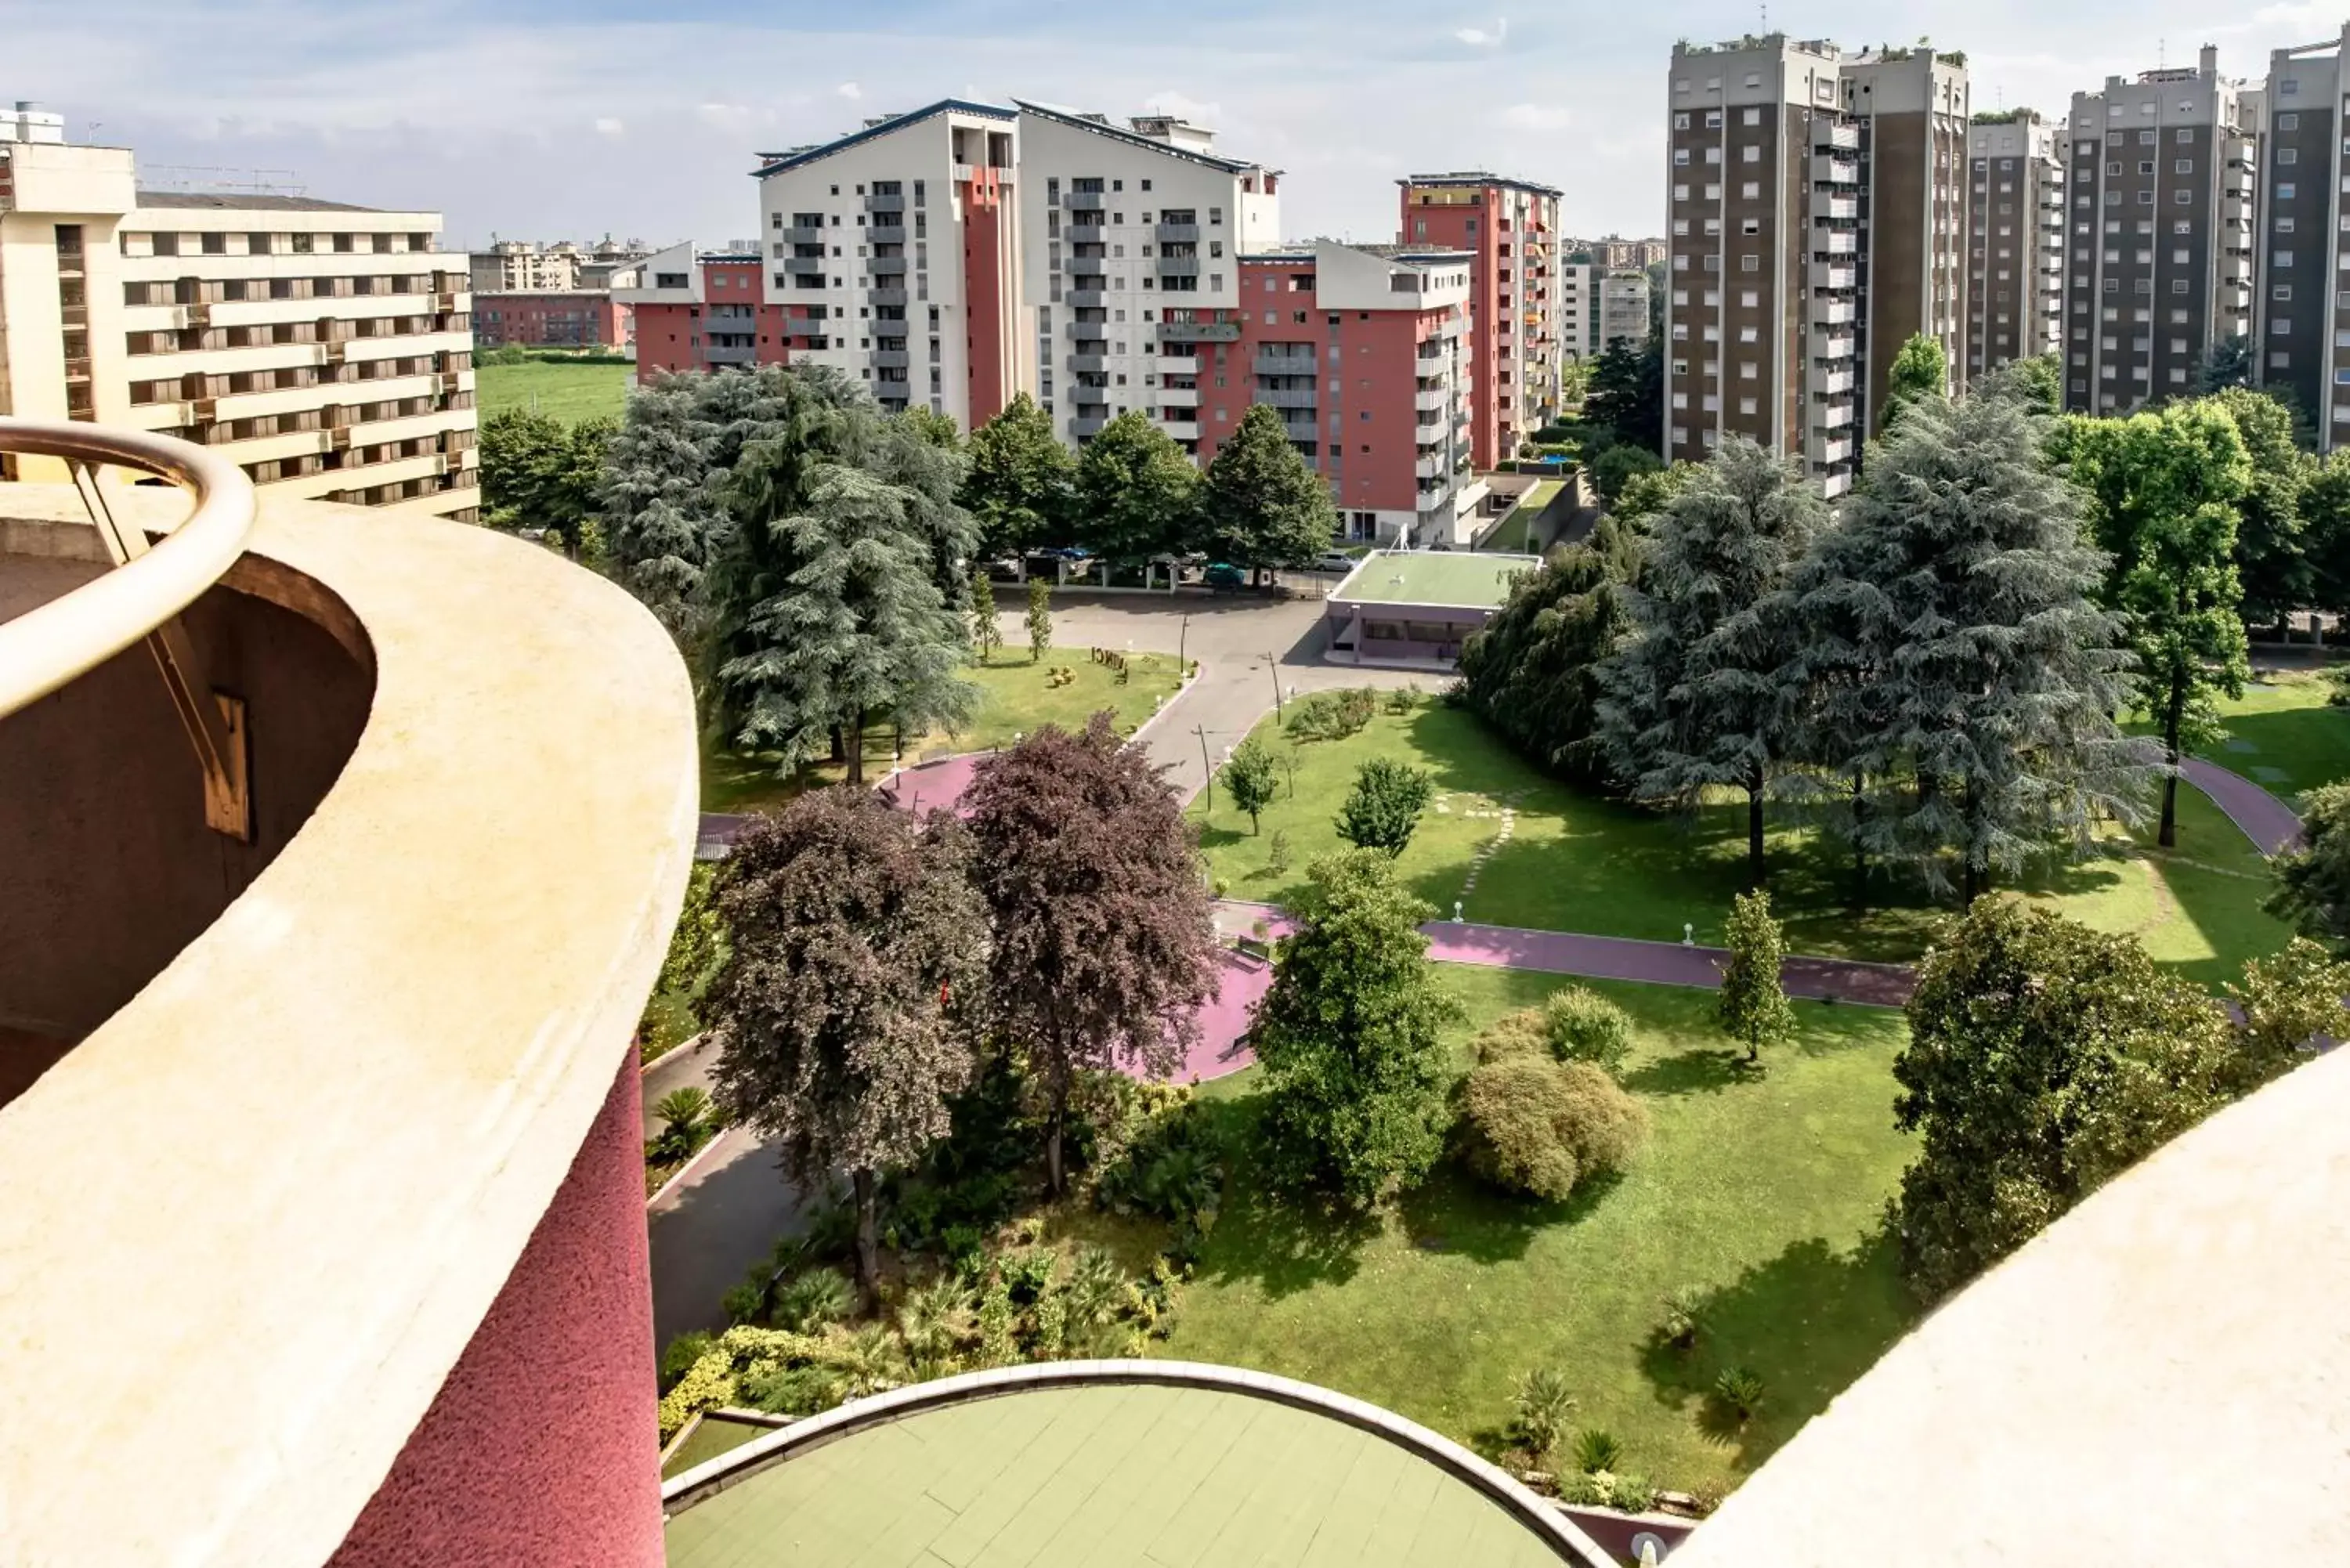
pixel 1337 561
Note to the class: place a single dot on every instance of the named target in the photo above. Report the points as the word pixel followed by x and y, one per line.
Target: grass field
pixel 1574 862
pixel 2282 736
pixel 569 392
pixel 1019 700
pixel 1762 1191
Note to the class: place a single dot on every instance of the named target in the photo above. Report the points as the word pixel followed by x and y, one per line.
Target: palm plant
pixel 684 1110
pixel 1541 1406
pixel 1597 1449
pixel 813 1301
pixel 1740 1391
pixel 1096 1291
pixel 1681 1320
pixel 870 1362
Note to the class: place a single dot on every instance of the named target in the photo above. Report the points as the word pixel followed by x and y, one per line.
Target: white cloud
pixel 850 91
pixel 1536 117
pixel 1182 108
pixel 1477 38
pixel 607 126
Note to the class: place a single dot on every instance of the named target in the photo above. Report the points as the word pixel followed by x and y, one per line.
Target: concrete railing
pixel 52 644
pixel 1539 1517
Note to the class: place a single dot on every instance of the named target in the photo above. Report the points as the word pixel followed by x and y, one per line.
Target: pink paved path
pixel 2267 820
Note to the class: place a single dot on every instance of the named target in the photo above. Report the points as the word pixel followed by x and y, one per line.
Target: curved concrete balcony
pixel 317 1094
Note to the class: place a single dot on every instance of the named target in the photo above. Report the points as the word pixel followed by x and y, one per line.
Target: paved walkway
pixel 2268 821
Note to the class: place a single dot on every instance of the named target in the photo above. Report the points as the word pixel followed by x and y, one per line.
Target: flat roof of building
pixel 1480 177
pixel 1080 1477
pixel 237 202
pixel 1454 580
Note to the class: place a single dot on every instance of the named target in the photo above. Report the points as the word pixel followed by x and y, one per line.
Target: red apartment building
pixel 1511 228
pixel 565 319
pixel 710 311
pixel 1365 351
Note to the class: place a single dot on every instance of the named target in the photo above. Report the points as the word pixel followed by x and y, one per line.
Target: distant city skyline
pixel 538 120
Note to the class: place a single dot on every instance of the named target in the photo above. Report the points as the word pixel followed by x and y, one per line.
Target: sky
pixel 539 119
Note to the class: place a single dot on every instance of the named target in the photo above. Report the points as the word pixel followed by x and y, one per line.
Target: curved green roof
pixel 1098 1476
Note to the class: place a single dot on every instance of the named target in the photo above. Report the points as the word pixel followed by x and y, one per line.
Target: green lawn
pixel 1575 862
pixel 1020 698
pixel 569 392
pixel 2282 736
pixel 1516 534
pixel 1761 1191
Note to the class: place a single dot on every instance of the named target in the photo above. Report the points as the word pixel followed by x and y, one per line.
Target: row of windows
pixel 215 243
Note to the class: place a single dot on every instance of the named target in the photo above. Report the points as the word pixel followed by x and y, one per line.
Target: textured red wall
pixel 541 1448
pixel 982 286
pixel 1449 226
pixel 664 335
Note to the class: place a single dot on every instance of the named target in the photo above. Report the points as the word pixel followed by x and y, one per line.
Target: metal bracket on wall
pixel 215 722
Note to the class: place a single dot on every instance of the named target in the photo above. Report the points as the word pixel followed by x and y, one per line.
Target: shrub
pixel 815 1300
pixel 1540 1126
pixel 1581 1490
pixel 1596 1448
pixel 1277 854
pixel 1581 1026
pixel 1539 1408
pixel 1331 715
pixel 1739 1392
pixel 787 1391
pixel 1633 1494
pixel 1027 1273
pixel 1681 1321
pixel 2337 685
pixel 1518 1033
pixel 682 1351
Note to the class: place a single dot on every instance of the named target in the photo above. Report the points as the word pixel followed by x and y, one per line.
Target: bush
pixel 1739 1392
pixel 1542 1127
pixel 1581 1026
pixel 1539 1408
pixel 1331 715
pixel 1596 1448
pixel 678 1359
pixel 1634 1494
pixel 1383 810
pixel 815 1300
pixel 2337 685
pixel 1681 1320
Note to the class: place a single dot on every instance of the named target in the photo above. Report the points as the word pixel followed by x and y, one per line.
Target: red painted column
pixel 983 294
pixel 542 1448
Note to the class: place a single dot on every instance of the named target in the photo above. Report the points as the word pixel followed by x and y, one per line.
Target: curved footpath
pixel 2272 825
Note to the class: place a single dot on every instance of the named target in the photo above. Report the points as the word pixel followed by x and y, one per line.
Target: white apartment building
pixel 1623 313
pixel 894 249
pixel 325 348
pixel 1124 229
pixel 1599 306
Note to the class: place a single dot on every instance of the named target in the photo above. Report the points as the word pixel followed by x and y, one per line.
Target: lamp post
pixel 1273 668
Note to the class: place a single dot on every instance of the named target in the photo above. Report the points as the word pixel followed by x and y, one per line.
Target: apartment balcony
pixel 1824 450
pixel 1833 383
pixel 1181 397
pixel 1833 313
pixel 1086 364
pixel 891 359
pixel 1083 201
pixel 1199 332
pixel 802 235
pixel 1835 417
pixel 1432 466
pixel 1834 170
pixel 1176 365
pixel 1432 400
pixel 1177 267
pixel 1082 234
pixel 1287 396
pixel 1826 276
pixel 1840 242
pixel 1839 207
pixel 885 265
pixel 243 919
pixel 878 203
pixel 1278 362
pixel 809 266
pixel 1835 348
pixel 1083 395
pixel 1086 297
pixel 729 353
pixel 1843 138
pixel 892 296
pixel 962 174
pixel 1177 233
pixel 1301 424
pixel 1834 486
pixel 886 229
pixel 1087 425
pixel 1180 429
pixel 1089 331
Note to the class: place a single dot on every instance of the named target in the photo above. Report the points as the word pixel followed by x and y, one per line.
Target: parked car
pixel 1224 575
pixel 1337 561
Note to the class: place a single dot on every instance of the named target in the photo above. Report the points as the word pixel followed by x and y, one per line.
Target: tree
pixel 986 631
pixel 1104 949
pixel 1697 698
pixel 1921 369
pixel 1961 679
pixel 1250 778
pixel 1260 505
pixel 1532 672
pixel 852 624
pixel 1040 618
pixel 1752 1005
pixel 1137 492
pixel 2286 1001
pixel 1021 485
pixel 2314 877
pixel 855 970
pixel 2038 383
pixel 2163 490
pixel 541 474
pixel 1628 394
pixel 1384 806
pixel 2325 522
pixel 1348 1038
pixel 2043 1059
pixel 2229 364
pixel 1618 466
pixel 2272 541
pixel 931 428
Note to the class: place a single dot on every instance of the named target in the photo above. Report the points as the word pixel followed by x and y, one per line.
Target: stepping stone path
pixel 1509 816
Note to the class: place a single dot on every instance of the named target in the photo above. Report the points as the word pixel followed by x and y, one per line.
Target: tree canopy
pixel 853 976
pixel 1627 395
pixel 540 473
pixel 1104 947
pixel 1348 1038
pixel 1137 491
pixel 2314 877
pixel 1021 487
pixel 1700 696
pixel 1260 505
pixel 1532 672
pixel 1921 369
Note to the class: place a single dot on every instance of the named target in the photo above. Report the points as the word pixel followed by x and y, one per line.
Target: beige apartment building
pixel 325 349
pixel 2015 250
pixel 1818 213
